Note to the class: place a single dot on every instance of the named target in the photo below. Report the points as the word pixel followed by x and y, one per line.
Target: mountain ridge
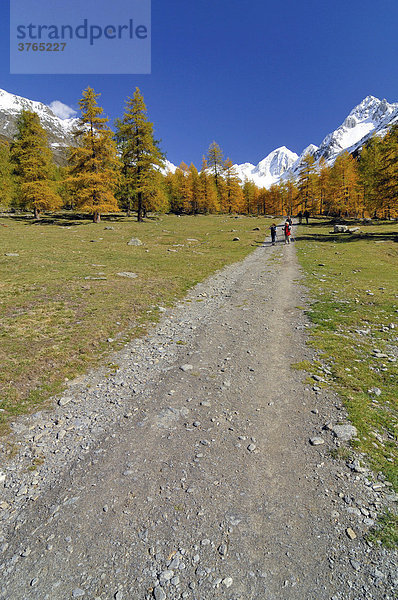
pixel 371 116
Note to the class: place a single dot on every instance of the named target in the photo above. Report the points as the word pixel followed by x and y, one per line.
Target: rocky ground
pixel 198 466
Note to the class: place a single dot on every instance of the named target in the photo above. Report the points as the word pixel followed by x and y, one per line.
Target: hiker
pixel 287 231
pixel 300 217
pixel 273 233
pixel 307 216
pixel 289 219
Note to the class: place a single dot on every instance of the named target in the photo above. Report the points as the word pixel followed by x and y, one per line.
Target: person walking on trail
pixel 273 233
pixel 287 231
pixel 307 216
pixel 300 217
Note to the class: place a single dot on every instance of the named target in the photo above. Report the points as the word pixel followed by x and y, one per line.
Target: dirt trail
pixel 211 489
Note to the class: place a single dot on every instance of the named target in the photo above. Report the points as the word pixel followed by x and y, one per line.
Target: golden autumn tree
pixel 209 202
pixel 346 194
pixel 141 158
pixel 33 166
pixel 307 184
pixel 215 161
pixel 233 198
pixel 387 180
pixel 6 178
pixel 94 167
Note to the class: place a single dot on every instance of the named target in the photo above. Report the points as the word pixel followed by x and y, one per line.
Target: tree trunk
pixel 139 212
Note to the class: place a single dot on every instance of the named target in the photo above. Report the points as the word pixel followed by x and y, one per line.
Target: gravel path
pixel 186 470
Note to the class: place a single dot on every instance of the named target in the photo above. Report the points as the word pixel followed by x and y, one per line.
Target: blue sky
pixel 252 76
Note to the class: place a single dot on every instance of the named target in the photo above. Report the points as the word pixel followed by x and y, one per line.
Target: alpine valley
pixel 371 116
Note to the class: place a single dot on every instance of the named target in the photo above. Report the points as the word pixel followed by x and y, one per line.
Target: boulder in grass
pixel 340 229
pixel 127 274
pixel 345 433
pixel 236 239
pixel 134 242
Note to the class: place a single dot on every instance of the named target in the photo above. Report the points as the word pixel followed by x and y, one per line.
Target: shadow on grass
pixel 71 219
pixel 341 238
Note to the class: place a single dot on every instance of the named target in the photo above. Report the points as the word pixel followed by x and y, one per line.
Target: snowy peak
pixel 59 131
pixel 268 170
pixel 364 119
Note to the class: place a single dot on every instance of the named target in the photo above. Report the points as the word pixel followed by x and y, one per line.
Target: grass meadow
pixel 63 306
pixel 353 281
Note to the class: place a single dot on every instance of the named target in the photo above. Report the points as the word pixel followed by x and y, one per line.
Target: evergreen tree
pixel 233 196
pixel 215 161
pixel 6 179
pixel 140 156
pixel 33 166
pixel 307 184
pixel 93 163
pixel 323 184
pixel 387 176
pixel 208 192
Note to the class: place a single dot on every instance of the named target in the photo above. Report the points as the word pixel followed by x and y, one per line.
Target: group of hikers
pixel 287 230
pixel 287 227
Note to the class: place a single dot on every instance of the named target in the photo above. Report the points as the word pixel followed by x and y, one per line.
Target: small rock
pixel 222 549
pixel 127 274
pixel 351 533
pixel 78 593
pixel 227 582
pixel 159 593
pixel 375 391
pixel 34 582
pixel 344 432
pixel 251 447
pixel 119 595
pixel 2 477
pixel 186 368
pixel 236 239
pixel 64 401
pixel 317 441
pixel 355 564
pixel 11 254
pixel 134 242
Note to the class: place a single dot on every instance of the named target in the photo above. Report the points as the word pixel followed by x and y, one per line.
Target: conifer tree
pixel 307 184
pixel 323 184
pixel 33 166
pixel 140 156
pixel 387 181
pixel 93 163
pixel 208 192
pixel 6 179
pixel 215 161
pixel 233 196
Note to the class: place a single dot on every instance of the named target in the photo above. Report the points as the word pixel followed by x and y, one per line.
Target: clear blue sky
pixel 251 75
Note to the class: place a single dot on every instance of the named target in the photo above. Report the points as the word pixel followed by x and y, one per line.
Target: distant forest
pixel 123 170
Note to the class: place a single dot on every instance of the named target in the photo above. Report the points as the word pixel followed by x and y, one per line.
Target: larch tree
pixel 208 192
pixel 33 166
pixel 94 166
pixel 387 181
pixel 215 161
pixel 6 179
pixel 307 184
pixel 141 157
pixel 233 193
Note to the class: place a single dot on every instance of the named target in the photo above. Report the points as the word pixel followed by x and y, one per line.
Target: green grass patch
pixel 63 306
pixel 353 283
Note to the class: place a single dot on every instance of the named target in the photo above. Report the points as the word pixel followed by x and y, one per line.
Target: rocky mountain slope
pixel 371 116
pixel 59 130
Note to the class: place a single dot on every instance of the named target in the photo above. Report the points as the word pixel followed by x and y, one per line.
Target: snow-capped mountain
pixel 59 131
pixel 270 169
pixel 370 116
